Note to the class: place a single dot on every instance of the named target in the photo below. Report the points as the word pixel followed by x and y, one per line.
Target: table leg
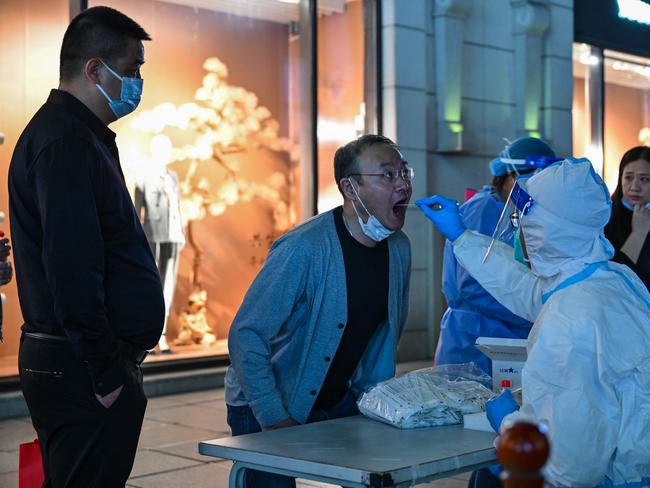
pixel 237 475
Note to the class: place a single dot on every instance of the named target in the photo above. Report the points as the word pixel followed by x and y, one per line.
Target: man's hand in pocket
pixel 109 399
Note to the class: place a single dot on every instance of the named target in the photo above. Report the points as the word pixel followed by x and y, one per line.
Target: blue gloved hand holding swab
pixel 443 212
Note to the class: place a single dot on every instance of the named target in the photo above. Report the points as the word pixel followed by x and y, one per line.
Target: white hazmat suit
pixel 587 376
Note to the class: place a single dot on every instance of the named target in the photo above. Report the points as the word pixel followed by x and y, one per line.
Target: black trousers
pixel 83 444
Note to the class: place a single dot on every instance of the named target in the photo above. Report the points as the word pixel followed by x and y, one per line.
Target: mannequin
pixel 158 205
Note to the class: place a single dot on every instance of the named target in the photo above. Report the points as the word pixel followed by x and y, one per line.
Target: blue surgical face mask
pixel 373 228
pixel 130 94
pixel 630 207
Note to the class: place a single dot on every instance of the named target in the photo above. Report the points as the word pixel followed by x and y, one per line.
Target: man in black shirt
pixel 89 289
pixel 366 279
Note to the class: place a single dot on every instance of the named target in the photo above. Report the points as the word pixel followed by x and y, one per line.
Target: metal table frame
pixel 356 452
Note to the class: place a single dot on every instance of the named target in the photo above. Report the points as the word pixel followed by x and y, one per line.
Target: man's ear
pixel 92 69
pixel 346 188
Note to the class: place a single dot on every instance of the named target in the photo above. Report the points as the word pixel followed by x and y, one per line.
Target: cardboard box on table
pixel 508 358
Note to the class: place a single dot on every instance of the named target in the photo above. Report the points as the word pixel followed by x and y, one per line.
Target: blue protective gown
pixel 472 311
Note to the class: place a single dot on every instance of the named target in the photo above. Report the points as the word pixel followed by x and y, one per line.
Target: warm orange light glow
pixel 30 39
pixel 161 149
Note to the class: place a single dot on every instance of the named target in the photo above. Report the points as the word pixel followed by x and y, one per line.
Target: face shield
pixel 525 155
pixel 509 228
pixel 528 165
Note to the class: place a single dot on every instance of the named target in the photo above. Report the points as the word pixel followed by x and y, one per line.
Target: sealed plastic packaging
pixel 428 397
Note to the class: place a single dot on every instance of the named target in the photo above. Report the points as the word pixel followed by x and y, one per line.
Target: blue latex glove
pixel 496 469
pixel 500 406
pixel 446 218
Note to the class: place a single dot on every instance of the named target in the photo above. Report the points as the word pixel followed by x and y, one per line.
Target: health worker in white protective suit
pixel 587 376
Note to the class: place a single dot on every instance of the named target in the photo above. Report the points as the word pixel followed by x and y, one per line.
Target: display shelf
pixel 183 358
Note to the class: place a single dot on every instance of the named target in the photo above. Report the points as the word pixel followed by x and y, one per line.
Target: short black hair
pixel 346 158
pixel 97 32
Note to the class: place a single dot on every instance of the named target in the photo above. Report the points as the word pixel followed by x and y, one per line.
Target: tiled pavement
pixel 167 453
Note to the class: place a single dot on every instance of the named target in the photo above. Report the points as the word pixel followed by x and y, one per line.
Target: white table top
pixel 357 449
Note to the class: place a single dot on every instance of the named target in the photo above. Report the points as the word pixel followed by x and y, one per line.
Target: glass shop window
pixel 216 155
pixel 213 154
pixel 341 105
pixel 30 39
pixel 623 105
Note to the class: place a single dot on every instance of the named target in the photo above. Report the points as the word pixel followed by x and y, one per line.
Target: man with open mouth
pixel 321 321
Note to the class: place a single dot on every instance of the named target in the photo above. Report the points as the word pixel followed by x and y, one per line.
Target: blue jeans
pixel 242 421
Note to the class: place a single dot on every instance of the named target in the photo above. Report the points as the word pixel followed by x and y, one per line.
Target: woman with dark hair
pixel 629 226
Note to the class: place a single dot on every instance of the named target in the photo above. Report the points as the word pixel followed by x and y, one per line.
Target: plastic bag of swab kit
pixel 428 397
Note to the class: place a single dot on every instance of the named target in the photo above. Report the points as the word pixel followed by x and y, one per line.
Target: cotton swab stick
pixel 435 206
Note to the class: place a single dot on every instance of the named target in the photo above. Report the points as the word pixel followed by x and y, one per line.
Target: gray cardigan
pixel 294 315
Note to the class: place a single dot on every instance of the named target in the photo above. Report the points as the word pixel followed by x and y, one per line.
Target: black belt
pixel 127 349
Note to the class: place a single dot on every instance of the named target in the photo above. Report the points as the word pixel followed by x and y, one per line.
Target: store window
pixel 611 107
pixel 30 39
pixel 341 105
pixel 215 141
pixel 227 142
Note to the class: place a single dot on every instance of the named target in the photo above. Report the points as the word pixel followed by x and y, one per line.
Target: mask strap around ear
pixel 109 69
pixel 360 201
pixel 103 92
pixel 356 212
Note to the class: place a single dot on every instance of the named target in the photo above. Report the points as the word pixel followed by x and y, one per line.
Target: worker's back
pixel 588 376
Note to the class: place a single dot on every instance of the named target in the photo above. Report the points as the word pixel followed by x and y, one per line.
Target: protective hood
pixel 564 230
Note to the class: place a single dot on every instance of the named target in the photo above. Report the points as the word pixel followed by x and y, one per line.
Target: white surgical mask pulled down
pixel 373 228
pixel 130 94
